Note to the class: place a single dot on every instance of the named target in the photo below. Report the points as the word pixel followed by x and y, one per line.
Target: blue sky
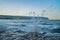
pixel 25 7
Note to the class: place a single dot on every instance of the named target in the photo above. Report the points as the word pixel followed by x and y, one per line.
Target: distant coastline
pixel 18 17
pixel 14 17
pixel 22 17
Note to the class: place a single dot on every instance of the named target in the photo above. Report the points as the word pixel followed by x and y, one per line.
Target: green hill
pixel 14 17
pixel 24 17
pixel 20 17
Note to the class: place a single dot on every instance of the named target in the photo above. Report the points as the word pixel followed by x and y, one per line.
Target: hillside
pixel 14 17
pixel 19 17
pixel 24 17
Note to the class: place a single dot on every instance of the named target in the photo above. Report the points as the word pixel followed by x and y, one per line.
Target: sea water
pixel 25 25
pixel 10 29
